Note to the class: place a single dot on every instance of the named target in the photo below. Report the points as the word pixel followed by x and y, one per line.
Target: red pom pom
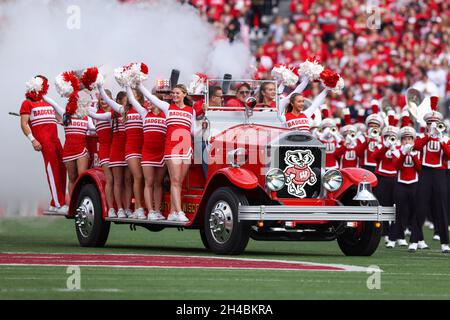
pixel 434 102
pixel 313 58
pixel 144 68
pixel 202 76
pixel 329 78
pixel 72 78
pixel 72 105
pixel 89 77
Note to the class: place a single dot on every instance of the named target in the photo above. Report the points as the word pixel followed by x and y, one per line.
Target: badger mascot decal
pixel 298 172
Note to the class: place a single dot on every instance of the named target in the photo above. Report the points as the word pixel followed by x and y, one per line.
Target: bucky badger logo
pixel 298 172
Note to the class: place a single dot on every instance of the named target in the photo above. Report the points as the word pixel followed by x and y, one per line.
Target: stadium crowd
pixel 379 53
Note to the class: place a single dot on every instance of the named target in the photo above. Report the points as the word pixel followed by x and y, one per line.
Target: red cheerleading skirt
pixel 117 150
pixel 133 145
pixel 153 150
pixel 178 144
pixel 74 148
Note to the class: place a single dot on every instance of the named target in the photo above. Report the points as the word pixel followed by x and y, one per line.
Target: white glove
pixel 387 143
pixel 326 132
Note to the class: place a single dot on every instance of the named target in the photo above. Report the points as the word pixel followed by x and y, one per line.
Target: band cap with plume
pixel 434 115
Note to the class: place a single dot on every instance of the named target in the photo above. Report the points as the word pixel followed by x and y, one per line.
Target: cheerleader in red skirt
pixel 102 121
pixel 75 153
pixel 155 129
pixel 180 119
pixel 134 137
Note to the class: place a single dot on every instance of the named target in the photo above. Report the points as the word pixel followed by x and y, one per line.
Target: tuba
pixel 317 114
pixel 417 104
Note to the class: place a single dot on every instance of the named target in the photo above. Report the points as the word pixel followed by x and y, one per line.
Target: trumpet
pixel 392 140
pixel 333 130
pixel 441 127
pixel 374 132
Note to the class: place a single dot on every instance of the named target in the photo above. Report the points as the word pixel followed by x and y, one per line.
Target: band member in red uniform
pixel 134 138
pixel 38 122
pixel 374 123
pixel 349 151
pixel 432 186
pixel 155 129
pixel 330 137
pixel 102 121
pixel 180 120
pixel 386 173
pixel 407 162
pixel 75 153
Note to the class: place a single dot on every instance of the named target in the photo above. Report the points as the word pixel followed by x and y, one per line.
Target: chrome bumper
pixel 316 213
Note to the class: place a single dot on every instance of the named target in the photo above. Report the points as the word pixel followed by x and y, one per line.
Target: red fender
pixel 241 178
pixel 352 177
pixel 95 176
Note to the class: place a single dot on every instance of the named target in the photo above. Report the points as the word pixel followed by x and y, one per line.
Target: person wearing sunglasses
pixel 243 92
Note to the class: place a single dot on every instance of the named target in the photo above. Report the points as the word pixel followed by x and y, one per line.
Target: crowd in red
pixel 380 52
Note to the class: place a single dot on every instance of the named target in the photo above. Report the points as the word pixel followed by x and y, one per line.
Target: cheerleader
pixel 291 109
pixel 152 155
pixel 102 120
pixel 181 124
pixel 134 136
pixel 75 153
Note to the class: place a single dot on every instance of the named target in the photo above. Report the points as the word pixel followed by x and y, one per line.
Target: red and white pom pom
pixel 92 78
pixel 288 76
pixel 36 88
pixel 79 103
pixel 198 83
pixel 120 76
pixel 131 75
pixel 67 83
pixel 311 68
pixel 332 81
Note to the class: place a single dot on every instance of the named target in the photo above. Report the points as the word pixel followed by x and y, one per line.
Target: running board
pixel 155 222
pixel 53 214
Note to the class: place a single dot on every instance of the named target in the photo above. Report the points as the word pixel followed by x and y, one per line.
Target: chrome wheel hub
pixel 84 218
pixel 221 222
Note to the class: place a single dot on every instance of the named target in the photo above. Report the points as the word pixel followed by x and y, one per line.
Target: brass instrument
pixel 392 140
pixel 441 127
pixel 417 104
pixel 386 105
pixel 374 132
pixel 333 130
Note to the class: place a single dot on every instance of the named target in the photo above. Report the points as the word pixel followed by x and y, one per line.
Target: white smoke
pixel 35 38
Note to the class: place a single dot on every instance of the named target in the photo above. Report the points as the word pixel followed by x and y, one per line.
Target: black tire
pixel 238 237
pixel 363 242
pixel 204 240
pixel 89 198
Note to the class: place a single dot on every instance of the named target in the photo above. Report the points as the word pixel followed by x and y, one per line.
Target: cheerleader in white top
pixel 155 129
pixel 133 147
pixel 180 119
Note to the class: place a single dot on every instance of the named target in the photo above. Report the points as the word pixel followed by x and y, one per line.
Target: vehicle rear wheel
pixel 223 232
pixel 91 229
pixel 204 240
pixel 363 240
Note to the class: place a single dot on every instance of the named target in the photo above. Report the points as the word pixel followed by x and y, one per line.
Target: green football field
pixel 423 275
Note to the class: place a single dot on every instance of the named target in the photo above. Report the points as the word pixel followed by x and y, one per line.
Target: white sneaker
pixel 182 217
pixel 173 216
pixel 139 214
pixel 121 214
pixel 423 245
pixel 129 213
pixel 390 244
pixel 445 248
pixel 63 210
pixel 51 209
pixel 159 215
pixel 407 232
pixel 431 226
pixel 402 243
pixel 412 247
pixel 436 237
pixel 112 213
pixel 152 216
pixel 386 239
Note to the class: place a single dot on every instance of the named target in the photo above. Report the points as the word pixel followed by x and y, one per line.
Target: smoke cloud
pixel 48 37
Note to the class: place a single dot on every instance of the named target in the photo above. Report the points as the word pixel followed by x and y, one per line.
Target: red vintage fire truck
pixel 252 178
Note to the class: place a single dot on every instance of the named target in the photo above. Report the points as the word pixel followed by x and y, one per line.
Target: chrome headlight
pixel 332 180
pixel 275 179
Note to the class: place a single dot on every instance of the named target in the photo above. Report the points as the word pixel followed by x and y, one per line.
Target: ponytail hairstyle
pixel 120 96
pixel 290 106
pixel 263 88
pixel 187 100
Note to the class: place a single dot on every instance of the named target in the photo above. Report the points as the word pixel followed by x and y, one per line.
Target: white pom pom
pixel 339 86
pixel 100 80
pixel 312 70
pixel 285 75
pixel 119 75
pixel 35 84
pixel 84 102
pixel 63 87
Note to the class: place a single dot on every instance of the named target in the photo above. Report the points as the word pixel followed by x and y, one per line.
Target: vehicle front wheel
pixel 92 230
pixel 363 240
pixel 223 232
